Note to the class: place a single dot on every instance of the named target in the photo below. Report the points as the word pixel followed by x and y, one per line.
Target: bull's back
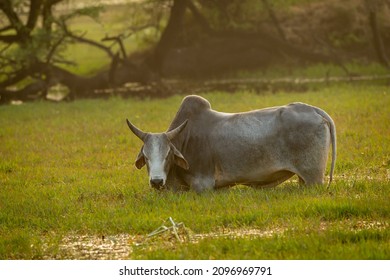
pixel 257 144
pixel 249 132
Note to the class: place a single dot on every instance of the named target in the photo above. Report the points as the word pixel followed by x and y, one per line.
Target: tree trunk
pixel 377 37
pixel 170 34
pixel 274 19
pixel 377 40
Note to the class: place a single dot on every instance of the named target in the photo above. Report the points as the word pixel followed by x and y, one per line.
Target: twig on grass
pixel 173 229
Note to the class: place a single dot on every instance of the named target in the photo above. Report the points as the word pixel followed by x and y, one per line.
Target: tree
pixel 373 7
pixel 222 40
pixel 32 54
pixel 196 38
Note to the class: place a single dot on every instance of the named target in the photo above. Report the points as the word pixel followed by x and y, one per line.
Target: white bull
pixel 205 149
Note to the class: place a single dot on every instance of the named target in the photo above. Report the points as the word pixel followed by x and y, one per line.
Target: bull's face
pixel 159 154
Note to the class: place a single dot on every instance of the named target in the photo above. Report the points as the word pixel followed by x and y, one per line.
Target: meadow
pixel 70 190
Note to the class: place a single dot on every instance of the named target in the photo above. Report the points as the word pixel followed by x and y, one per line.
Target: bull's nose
pixel 157 183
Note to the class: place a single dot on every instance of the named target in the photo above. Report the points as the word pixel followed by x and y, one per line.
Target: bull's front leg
pixel 202 184
pixel 176 184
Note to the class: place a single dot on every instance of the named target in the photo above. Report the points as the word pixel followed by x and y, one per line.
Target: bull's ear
pixel 179 159
pixel 140 161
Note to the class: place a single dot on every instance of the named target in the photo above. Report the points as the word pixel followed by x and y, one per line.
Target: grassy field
pixel 69 188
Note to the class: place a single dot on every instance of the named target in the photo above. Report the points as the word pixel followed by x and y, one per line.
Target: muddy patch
pixel 121 246
pixel 93 247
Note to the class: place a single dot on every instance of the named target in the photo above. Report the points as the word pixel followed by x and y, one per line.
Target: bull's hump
pixel 191 107
pixel 195 103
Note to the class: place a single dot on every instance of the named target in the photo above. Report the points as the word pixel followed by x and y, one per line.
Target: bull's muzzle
pixel 157 183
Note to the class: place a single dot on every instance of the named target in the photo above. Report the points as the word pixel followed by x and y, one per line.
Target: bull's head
pixel 159 154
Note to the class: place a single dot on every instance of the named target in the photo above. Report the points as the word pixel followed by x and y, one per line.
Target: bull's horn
pixel 174 132
pixel 138 132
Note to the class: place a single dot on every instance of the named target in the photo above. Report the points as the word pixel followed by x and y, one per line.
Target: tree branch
pixel 9 39
pixel 81 39
pixel 21 31
pixel 47 14
pixel 6 28
pixel 118 40
pixel 274 19
pixel 35 10
pixel 54 48
pixel 17 77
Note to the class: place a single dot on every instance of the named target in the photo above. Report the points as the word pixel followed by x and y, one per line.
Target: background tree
pixel 193 38
pixel 373 8
pixel 32 53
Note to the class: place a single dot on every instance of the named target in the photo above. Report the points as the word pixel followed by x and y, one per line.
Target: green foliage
pixel 67 169
pixel 92 12
pixel 138 24
pixel 42 40
pixel 38 47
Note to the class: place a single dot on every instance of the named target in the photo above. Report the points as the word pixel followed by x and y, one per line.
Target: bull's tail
pixel 332 128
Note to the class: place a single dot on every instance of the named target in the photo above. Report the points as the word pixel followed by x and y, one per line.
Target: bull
pixel 204 149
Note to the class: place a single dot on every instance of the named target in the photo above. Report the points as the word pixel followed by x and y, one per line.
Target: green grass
pixel 335 244
pixel 315 71
pixel 67 169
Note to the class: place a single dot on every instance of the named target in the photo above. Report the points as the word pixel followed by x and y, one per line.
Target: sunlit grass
pixel 68 169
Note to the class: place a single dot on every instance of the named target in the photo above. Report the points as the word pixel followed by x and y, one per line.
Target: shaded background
pixel 65 49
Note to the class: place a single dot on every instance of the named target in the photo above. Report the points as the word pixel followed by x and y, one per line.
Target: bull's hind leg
pixel 311 177
pixel 311 168
pixel 309 160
